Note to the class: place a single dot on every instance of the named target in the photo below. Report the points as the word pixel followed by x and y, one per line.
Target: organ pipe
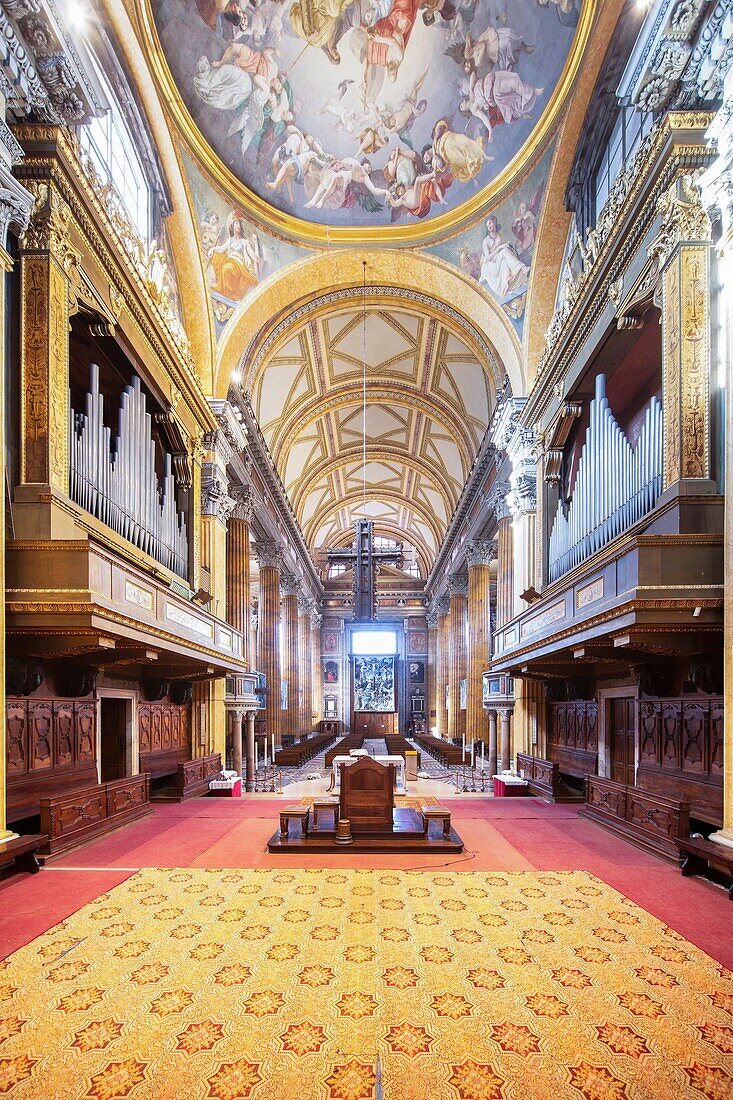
pixel 614 487
pixel 118 484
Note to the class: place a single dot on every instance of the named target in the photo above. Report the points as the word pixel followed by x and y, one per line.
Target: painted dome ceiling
pixel 372 113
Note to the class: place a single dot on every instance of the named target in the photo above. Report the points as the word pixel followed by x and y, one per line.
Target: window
pixel 367 643
pixel 110 145
pixel 336 570
pixel 629 130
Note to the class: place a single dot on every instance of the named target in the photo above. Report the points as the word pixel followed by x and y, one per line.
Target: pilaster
pixel 270 556
pixel 441 662
pixel 217 507
pixel 479 555
pixel 305 663
pixel 432 670
pixel 289 585
pixel 316 674
pixel 238 569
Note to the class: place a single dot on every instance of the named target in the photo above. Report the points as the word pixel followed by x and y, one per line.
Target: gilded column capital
pixel 683 219
pixel 481 552
pixel 289 584
pixel 268 554
pixel 48 227
pixel 458 585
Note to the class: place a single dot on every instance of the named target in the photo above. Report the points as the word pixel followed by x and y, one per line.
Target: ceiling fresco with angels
pixel 366 112
pixel 429 403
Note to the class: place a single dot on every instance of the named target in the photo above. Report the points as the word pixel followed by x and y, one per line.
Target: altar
pixel 400 787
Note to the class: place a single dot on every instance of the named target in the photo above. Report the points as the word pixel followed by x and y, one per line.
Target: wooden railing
pixel 647 820
pixel 80 815
pixel 544 779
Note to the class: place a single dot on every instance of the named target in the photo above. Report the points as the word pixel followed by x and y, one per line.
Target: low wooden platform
pixel 406 836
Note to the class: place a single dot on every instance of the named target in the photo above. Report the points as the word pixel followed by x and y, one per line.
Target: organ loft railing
pixel 118 483
pixel 614 487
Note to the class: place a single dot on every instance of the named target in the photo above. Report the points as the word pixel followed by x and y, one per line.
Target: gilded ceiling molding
pixel 448 291
pixel 554 220
pixel 312 234
pixel 181 224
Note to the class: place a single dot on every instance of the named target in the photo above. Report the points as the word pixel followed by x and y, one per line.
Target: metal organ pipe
pixel 615 484
pixel 119 484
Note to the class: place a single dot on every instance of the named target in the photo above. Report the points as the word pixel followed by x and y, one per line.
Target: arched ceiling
pixel 381 115
pixel 429 396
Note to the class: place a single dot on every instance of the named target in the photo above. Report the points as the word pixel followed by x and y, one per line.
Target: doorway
pixel 113 739
pixel 621 732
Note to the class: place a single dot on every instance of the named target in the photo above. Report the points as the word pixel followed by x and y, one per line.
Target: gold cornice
pixel 317 235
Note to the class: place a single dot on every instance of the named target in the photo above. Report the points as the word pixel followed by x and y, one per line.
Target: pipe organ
pixel 119 484
pixel 614 487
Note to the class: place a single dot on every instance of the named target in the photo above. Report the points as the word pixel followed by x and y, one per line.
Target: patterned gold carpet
pixel 347 985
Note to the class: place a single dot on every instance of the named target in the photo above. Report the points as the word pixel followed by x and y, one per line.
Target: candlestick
pixel 256 758
pixel 273 749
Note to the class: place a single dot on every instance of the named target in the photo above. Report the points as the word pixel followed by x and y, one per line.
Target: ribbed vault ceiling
pixel 430 395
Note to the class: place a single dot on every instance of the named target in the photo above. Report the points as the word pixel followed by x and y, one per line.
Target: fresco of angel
pixel 235 264
pixel 524 224
pixel 346 182
pixel 293 159
pixel 323 23
pixel 495 48
pixel 502 271
pixel 401 120
pixel 462 155
pixel 498 97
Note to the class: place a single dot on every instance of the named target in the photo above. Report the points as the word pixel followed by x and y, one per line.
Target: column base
pixel 723 836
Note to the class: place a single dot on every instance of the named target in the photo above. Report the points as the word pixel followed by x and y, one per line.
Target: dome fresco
pixel 366 112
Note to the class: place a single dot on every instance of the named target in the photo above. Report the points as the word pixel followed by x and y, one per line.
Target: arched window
pixel 110 144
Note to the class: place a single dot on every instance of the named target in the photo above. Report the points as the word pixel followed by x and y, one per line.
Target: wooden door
pixel 113 743
pixel 621 738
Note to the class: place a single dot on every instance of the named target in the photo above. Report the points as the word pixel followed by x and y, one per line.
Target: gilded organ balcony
pixel 78 598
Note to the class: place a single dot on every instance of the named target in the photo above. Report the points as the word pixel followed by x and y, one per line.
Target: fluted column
pixel 479 555
pixel 441 665
pixel 432 670
pixel 457 590
pixel 236 715
pixel 249 780
pixel 492 742
pixel 270 556
pixel 305 664
pixel 217 507
pixel 316 678
pixel 239 593
pixel 289 592
pixel 505 555
pixel 253 647
pixel 505 714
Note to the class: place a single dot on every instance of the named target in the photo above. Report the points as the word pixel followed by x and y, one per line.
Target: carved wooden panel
pixel 670 738
pixel 40 721
pixel 606 796
pixel 126 794
pixel 16 735
pixel 693 747
pixel 175 727
pixel 591 726
pixel 63 713
pixel 87 807
pixel 166 727
pixel 144 726
pixel 648 813
pixel 649 728
pixel 86 741
pixel 716 738
pixel 156 722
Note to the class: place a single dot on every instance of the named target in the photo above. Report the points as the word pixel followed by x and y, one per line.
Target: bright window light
pixel 381 643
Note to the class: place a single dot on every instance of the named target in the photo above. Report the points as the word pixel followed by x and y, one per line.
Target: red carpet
pixel 501 835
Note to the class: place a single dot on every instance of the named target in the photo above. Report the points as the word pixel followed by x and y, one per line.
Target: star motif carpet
pixel 348 985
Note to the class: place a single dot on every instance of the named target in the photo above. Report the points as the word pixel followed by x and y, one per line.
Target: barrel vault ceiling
pixel 429 400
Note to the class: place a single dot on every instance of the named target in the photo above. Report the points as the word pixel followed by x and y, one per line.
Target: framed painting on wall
pixel 330 672
pixel 374 684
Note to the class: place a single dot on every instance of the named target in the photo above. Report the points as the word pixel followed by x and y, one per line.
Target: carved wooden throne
pixel 367 796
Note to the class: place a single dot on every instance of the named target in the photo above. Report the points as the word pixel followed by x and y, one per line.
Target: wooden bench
pixel 325 805
pixel 21 851
pixel 700 855
pixel 436 813
pixel 300 813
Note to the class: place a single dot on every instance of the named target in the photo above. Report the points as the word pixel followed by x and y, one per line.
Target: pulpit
pixel 367 796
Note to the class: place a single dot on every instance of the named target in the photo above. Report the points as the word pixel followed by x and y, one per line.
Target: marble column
pixel 492 742
pixel 239 594
pixel 236 715
pixel 441 665
pixel 316 674
pixel 457 591
pixel 479 555
pixel 289 585
pixel 270 557
pixel 432 670
pixel 505 741
pixel 305 664
pixel 249 779
pixel 15 209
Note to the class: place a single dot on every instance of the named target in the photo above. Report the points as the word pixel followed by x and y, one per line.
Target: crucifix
pixel 363 558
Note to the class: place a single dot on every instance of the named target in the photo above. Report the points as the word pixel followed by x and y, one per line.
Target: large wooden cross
pixel 364 559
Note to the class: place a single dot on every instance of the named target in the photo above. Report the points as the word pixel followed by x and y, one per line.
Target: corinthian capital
pixel 496 501
pixel 244 502
pixel 458 584
pixel 481 552
pixel 268 554
pixel 289 584
pixel 16 205
pixel 215 499
pixel 683 218
pixel 48 229
pixel 305 603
